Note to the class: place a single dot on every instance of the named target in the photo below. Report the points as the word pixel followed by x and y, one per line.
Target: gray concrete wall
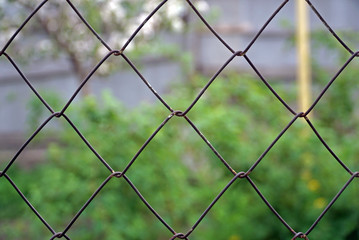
pixel 273 53
pixel 125 85
pixel 238 21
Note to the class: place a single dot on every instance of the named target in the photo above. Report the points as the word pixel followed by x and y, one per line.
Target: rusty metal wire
pixel 241 175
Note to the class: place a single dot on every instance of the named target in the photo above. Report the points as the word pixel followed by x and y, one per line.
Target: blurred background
pixel 177 173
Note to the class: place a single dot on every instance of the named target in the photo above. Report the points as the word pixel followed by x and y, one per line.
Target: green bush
pixel 179 175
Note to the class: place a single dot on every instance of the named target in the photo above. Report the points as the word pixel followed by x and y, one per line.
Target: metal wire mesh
pixel 243 175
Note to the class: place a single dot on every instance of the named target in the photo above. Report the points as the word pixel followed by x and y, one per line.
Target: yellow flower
pixel 307 159
pixel 320 203
pixel 313 185
pixel 306 175
pixel 234 237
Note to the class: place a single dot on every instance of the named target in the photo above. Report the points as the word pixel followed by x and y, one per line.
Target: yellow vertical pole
pixel 303 49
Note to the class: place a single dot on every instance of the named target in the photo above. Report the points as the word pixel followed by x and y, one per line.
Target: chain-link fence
pixel 238 175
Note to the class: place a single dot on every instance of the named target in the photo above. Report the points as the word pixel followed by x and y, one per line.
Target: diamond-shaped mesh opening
pixel 233 104
pixel 56 186
pixel 220 53
pixel 62 38
pixel 110 215
pixel 242 208
pixel 185 161
pixel 122 133
pixel 56 160
pixel 309 185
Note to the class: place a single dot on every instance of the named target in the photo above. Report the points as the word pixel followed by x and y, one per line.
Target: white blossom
pixel 202 6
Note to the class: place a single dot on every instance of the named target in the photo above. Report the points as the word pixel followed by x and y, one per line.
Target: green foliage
pixel 39 111
pixel 179 175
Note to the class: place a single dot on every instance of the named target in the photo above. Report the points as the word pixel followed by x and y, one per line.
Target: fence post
pixel 303 49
